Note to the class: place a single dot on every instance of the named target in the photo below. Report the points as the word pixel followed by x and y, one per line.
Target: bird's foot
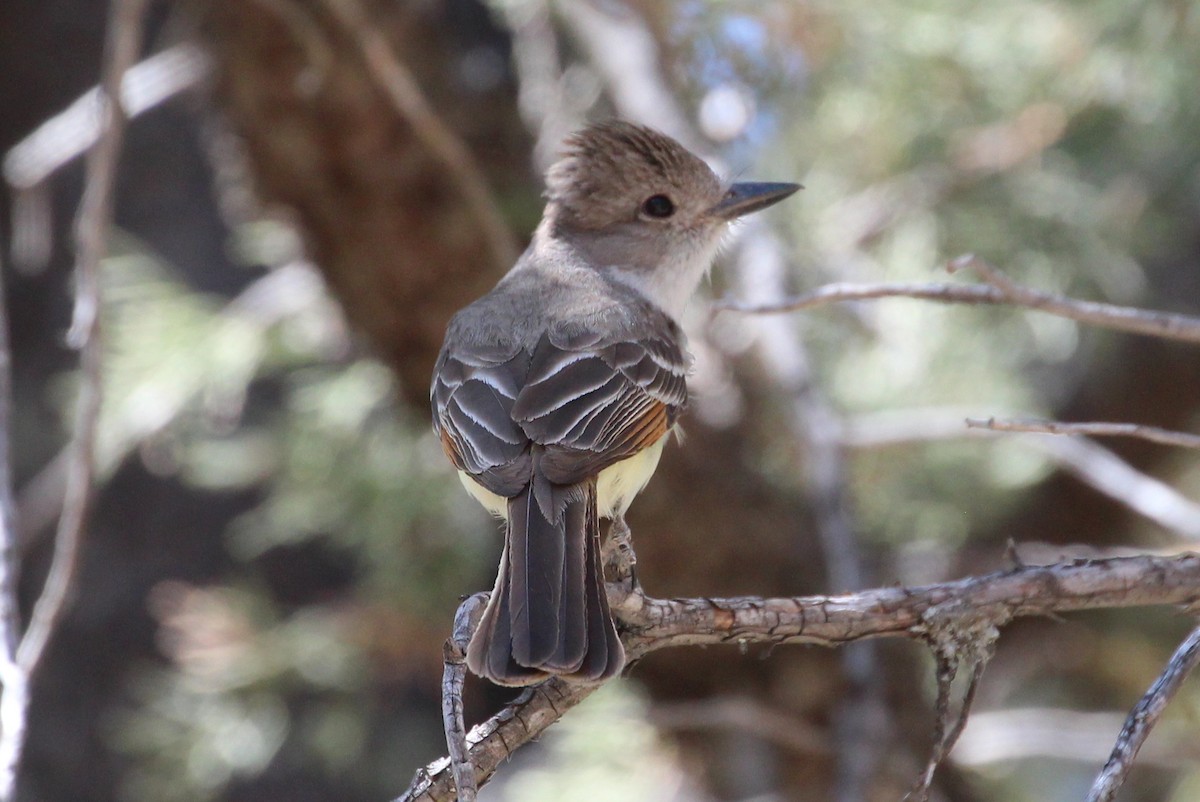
pixel 619 555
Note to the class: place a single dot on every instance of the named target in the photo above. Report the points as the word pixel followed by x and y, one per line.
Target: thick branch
pixel 931 612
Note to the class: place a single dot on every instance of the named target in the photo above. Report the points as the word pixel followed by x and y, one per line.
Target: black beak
pixel 744 198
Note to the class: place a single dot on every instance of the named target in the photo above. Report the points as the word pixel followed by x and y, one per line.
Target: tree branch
pixel 124 39
pixel 70 133
pixel 1093 464
pixel 1142 719
pixel 1000 290
pixel 91 242
pixel 945 612
pixel 1151 433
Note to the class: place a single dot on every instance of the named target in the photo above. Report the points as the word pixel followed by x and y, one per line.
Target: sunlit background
pixel 280 545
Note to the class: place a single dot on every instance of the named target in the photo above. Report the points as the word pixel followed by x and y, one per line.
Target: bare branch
pixel 1001 736
pixel 124 38
pixel 970 606
pixel 1105 471
pixel 1001 290
pixel 402 89
pixel 1142 719
pixel 841 291
pixel 91 241
pixel 495 740
pixel 1090 462
pixel 10 552
pixel 1151 433
pixel 949 724
pixel 70 133
pixel 1150 322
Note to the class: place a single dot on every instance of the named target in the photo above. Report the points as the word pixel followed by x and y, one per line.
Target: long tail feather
pixel 548 613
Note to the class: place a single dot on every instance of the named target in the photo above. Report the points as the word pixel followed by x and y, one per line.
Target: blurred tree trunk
pixel 394 238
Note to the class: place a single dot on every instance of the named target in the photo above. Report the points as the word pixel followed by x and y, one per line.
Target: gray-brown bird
pixel 553 393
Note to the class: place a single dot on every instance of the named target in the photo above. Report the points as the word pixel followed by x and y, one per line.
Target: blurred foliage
pixel 265 392
pixel 1056 139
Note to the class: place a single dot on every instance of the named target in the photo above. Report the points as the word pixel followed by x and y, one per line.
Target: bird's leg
pixel 619 555
pixel 454 673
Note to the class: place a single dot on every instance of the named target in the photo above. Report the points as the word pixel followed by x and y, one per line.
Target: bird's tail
pixel 548 613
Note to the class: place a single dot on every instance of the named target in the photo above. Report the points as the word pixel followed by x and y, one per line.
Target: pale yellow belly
pixel 616 486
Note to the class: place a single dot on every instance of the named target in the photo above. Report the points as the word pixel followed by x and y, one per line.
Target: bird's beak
pixel 744 198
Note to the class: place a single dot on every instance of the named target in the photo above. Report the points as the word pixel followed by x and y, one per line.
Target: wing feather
pixel 588 398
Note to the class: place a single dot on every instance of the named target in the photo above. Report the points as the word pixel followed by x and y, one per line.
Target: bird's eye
pixel 659 206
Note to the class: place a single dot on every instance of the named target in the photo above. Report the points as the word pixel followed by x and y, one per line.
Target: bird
pixel 553 394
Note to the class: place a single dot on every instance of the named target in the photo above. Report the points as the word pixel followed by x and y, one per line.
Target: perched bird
pixel 553 393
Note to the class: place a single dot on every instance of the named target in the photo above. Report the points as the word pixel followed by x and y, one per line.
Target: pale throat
pixel 672 283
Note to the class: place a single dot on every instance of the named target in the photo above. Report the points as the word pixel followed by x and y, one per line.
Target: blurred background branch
pixel 24 650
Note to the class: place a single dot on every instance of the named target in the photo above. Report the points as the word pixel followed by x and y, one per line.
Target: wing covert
pixel 591 408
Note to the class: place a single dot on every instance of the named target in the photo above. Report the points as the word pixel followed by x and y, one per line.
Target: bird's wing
pixel 589 398
pixel 472 395
pixel 592 400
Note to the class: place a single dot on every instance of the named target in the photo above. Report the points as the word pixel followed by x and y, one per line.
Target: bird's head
pixel 638 201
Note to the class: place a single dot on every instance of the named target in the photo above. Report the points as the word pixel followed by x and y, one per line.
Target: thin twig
pixel 973 605
pixel 1090 462
pixel 950 723
pixel 1142 719
pixel 91 242
pixel 958 636
pixel 1153 323
pixel 495 740
pixel 840 292
pixel 124 38
pixel 1093 429
pixel 402 89
pixel 10 552
pixel 947 670
pixel 1150 322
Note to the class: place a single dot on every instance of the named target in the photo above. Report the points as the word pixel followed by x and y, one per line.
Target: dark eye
pixel 658 206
